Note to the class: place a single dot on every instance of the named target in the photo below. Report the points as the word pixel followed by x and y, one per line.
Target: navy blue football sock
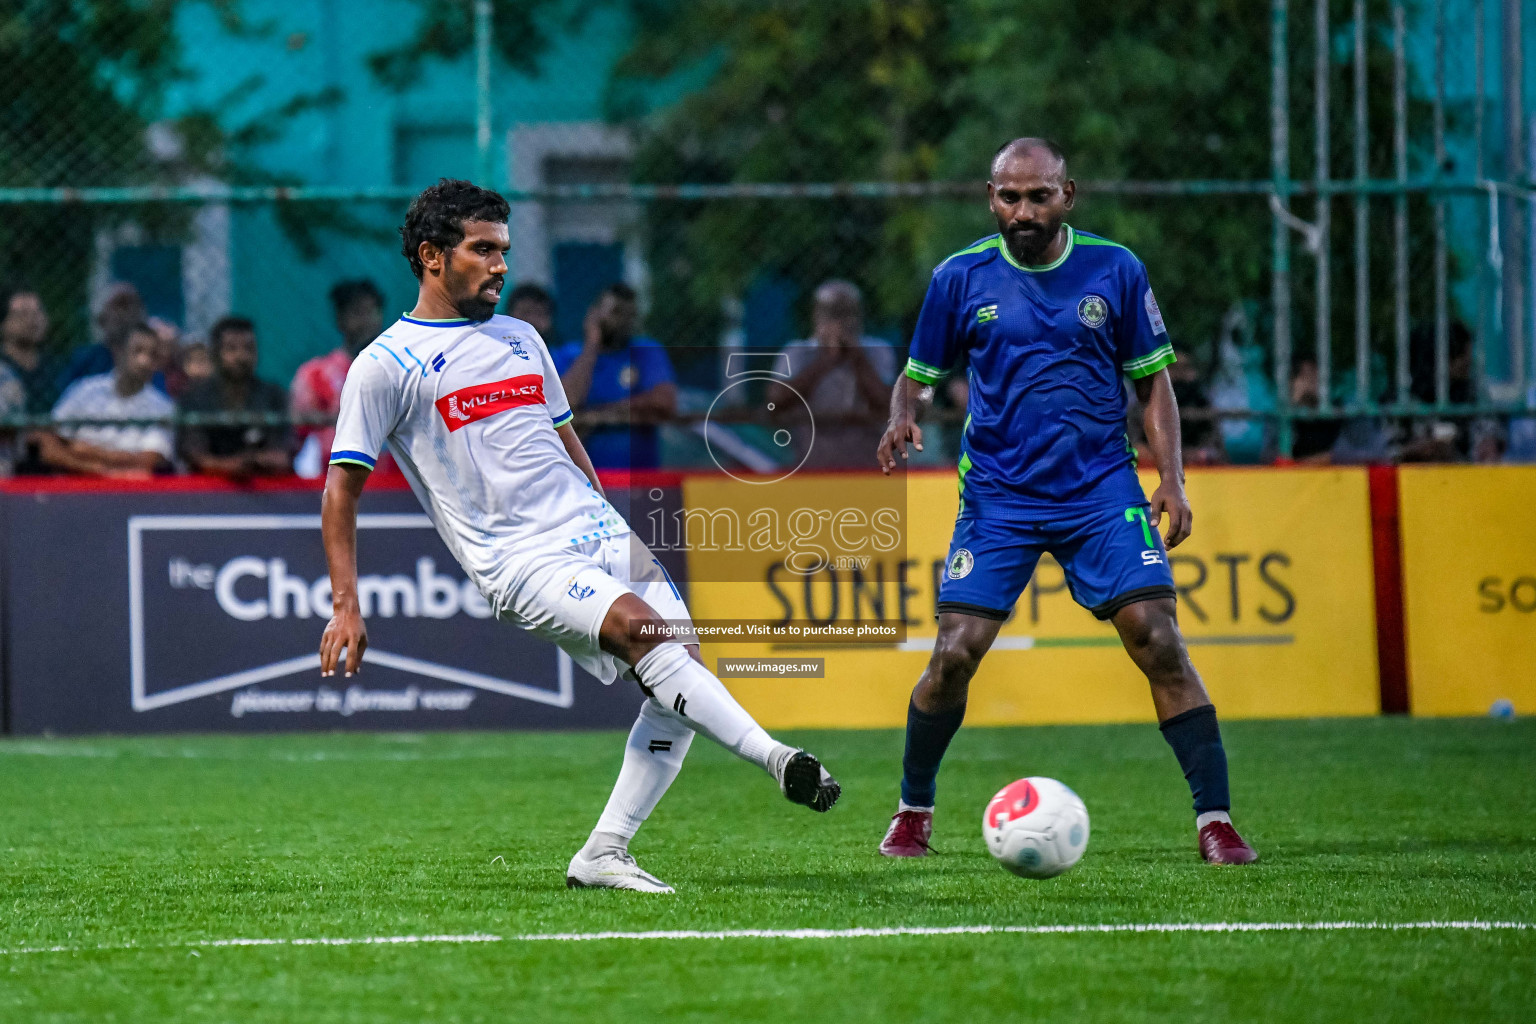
pixel 928 736
pixel 1196 742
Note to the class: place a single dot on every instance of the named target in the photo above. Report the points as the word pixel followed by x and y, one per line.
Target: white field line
pixel 819 933
pixel 47 749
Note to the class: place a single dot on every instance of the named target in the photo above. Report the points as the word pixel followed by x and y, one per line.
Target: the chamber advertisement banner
pixel 146 612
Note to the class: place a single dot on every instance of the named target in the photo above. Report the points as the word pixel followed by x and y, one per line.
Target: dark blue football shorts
pixel 1112 557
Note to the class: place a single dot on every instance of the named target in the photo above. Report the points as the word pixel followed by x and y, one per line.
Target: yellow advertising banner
pixel 1469 582
pixel 1275 597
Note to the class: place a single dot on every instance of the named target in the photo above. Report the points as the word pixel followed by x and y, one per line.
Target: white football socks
pixel 683 686
pixel 658 741
pixel 1202 820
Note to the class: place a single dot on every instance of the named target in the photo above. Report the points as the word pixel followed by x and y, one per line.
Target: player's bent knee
pixel 631 629
pixel 1163 657
pixel 955 659
pixel 1151 636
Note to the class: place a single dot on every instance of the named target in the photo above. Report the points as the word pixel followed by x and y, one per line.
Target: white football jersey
pixel 469 410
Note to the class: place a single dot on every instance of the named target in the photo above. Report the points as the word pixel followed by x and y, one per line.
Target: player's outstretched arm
pixel 909 400
pixel 1160 418
pixel 338 529
pixel 578 453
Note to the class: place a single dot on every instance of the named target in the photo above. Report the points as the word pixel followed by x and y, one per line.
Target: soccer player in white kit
pixel 474 413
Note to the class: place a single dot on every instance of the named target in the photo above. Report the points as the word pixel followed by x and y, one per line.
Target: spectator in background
pixel 22 330
pixel 194 363
pixel 1447 440
pixel 534 306
pixel 1332 441
pixel 359 308
pixel 236 452
pixel 1201 437
pixel 1521 445
pixel 623 380
pixel 13 400
pixel 1311 440
pixel 125 393
pixel 120 312
pixel 168 357
pixel 844 376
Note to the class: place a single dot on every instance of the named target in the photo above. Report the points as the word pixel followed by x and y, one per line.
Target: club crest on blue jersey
pixel 1093 311
pixel 961 564
pixel 1154 315
pixel 986 314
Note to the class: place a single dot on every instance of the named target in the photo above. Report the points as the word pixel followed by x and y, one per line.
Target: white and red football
pixel 1036 827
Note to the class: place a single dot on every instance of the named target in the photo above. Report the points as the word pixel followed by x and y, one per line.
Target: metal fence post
pixel 1480 331
pixel 1362 221
pixel 1400 201
pixel 484 167
pixel 1280 160
pixel 1320 114
pixel 1442 312
pixel 1514 167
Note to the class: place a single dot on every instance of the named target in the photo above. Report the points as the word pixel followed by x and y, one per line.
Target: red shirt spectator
pixel 316 389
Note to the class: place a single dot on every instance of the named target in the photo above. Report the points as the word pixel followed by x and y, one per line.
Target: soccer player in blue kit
pixel 1050 318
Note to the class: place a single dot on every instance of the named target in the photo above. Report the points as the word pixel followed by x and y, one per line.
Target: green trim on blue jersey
pixel 1042 268
pixel 996 242
pixel 965 467
pixel 1150 363
pixel 1085 240
pixel 924 373
pixel 981 246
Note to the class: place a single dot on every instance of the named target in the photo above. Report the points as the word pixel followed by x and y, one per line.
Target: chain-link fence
pixel 1357 293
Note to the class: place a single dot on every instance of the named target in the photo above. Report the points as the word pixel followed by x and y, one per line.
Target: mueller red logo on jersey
pixel 478 401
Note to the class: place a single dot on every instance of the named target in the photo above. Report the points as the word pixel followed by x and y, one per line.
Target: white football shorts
pixel 563 596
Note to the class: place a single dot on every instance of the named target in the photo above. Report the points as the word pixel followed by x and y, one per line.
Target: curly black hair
pixel 438 216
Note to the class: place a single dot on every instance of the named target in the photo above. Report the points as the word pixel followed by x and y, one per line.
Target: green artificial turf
pixel 166 842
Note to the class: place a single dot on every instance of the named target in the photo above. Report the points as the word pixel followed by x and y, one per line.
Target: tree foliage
pixel 916 90
pixel 520 33
pixel 87 101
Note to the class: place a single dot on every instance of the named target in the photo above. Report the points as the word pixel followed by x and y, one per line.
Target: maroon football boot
pixel 1220 844
pixel 908 835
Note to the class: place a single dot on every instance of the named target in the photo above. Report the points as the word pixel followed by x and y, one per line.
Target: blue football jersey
pixel 1046 348
pixel 616 376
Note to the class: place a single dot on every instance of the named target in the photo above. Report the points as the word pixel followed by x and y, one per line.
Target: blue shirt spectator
pixel 120 313
pixel 23 328
pixel 621 378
